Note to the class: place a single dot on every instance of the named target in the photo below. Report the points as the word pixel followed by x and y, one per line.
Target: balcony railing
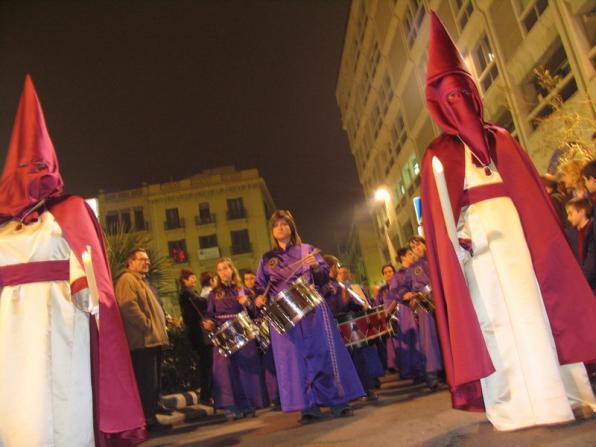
pixel 205 220
pixel 173 224
pixel 239 249
pixel 239 213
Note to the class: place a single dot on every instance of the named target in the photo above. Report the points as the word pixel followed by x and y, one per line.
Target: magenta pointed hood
pixel 31 172
pixel 451 95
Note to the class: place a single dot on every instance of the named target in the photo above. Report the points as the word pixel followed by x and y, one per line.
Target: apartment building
pixel 381 82
pixel 218 212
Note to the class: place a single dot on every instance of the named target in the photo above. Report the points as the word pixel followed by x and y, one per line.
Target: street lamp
pixel 382 195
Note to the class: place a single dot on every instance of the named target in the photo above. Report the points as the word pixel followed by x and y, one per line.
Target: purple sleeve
pixel 262 280
pixel 211 305
pixel 320 272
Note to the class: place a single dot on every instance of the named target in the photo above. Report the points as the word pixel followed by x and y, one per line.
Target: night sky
pixel 158 90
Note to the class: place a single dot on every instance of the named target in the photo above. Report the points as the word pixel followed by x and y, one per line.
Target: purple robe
pixel 312 364
pixel 387 345
pixel 237 380
pixel 416 280
pixel 366 358
pixel 410 357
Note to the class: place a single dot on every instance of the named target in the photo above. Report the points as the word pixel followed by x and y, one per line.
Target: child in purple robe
pixel 237 379
pixel 410 357
pixel 313 366
pixel 388 344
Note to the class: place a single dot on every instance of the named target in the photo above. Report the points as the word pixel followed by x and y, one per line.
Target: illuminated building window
pixel 236 209
pixel 557 65
pixel 484 61
pixel 412 20
pixel 207 241
pixel 177 251
pixel 240 242
pixel 126 221
pixel 205 216
pixel 399 135
pixel 112 222
pixel 173 220
pixel 140 223
pixel 463 9
pixel 528 12
pixel 588 22
pixel 505 120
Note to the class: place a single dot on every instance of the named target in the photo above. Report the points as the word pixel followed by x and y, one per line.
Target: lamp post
pixel 382 195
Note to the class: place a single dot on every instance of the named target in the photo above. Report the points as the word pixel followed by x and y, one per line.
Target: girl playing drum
pixel 312 363
pixel 237 382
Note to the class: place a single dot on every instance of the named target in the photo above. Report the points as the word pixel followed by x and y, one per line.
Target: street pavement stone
pixel 405 415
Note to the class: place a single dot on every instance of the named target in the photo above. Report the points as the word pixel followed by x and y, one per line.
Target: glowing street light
pixel 382 195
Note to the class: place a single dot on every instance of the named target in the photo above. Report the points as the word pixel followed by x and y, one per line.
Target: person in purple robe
pixel 237 379
pixel 313 366
pixel 416 281
pixel 267 362
pixel 388 344
pixel 410 357
pixel 366 358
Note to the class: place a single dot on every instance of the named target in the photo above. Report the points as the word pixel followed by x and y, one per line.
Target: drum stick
pixel 355 296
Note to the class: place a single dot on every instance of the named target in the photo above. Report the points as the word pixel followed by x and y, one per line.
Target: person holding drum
pixel 237 379
pixel 410 357
pixel 267 362
pixel 313 366
pixel 345 308
pixel 389 343
pixel 417 281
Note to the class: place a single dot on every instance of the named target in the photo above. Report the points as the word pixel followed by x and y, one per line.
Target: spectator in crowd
pixel 588 173
pixel 570 174
pixel 557 198
pixel 194 310
pixel 207 283
pixel 145 327
pixel 581 237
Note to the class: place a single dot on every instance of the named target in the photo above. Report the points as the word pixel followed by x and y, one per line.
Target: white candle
pixel 439 174
pixel 91 283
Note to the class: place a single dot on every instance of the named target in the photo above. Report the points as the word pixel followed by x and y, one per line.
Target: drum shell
pixel 234 334
pixel 361 328
pixel 291 305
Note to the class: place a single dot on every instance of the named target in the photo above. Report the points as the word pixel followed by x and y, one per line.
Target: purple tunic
pixel 312 364
pixel 388 345
pixel 366 358
pixel 267 362
pixel 410 357
pixel 417 279
pixel 237 380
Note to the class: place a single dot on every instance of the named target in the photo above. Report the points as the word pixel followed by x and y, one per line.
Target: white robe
pixel 45 373
pixel 529 387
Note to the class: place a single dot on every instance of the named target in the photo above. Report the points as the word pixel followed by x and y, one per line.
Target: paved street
pixel 405 415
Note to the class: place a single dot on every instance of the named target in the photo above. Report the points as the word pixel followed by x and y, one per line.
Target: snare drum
pixel 359 329
pixel 291 305
pixel 234 334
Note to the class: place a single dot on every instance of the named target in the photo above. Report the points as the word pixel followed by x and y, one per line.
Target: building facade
pixel 381 83
pixel 218 212
pixel 360 252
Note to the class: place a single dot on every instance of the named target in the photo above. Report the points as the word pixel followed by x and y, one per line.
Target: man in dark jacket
pixel 581 236
pixel 194 308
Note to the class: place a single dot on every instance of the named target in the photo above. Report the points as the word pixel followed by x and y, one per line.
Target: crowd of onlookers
pixel 573 192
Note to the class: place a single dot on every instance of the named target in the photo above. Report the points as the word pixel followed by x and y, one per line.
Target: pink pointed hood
pixel 451 95
pixel 31 172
